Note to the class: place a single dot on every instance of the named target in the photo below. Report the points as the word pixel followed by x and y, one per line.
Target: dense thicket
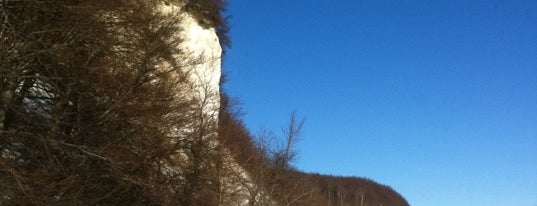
pixel 92 109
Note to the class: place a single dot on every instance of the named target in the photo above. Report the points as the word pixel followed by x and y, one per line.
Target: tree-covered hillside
pixel 262 158
pixel 96 108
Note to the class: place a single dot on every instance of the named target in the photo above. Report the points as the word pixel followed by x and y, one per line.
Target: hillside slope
pixel 290 186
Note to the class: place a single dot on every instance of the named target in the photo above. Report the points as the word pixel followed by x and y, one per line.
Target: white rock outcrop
pixel 202 62
pixel 205 68
pixel 201 59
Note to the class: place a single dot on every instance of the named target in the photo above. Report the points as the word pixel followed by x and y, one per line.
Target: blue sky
pixel 437 99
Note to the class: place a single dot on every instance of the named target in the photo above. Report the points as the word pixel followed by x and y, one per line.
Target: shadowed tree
pixel 90 102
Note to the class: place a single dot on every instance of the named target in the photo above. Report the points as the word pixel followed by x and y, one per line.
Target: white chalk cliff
pixel 201 59
pixel 202 62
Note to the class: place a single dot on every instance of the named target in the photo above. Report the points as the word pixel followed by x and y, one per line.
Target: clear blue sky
pixel 437 99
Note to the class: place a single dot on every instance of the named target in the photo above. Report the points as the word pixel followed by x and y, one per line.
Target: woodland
pixel 86 111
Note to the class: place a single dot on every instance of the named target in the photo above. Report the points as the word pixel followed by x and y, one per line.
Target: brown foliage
pixel 89 111
pixel 89 115
pixel 334 190
pixel 275 177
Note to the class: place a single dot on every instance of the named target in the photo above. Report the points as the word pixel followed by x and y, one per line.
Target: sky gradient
pixel 437 99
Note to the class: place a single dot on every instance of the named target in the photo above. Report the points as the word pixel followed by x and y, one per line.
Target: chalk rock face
pixel 201 58
pixel 204 68
pixel 204 53
pixel 201 61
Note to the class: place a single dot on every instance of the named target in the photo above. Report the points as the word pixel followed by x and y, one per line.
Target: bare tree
pixel 87 107
pixel 286 152
pixel 273 175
